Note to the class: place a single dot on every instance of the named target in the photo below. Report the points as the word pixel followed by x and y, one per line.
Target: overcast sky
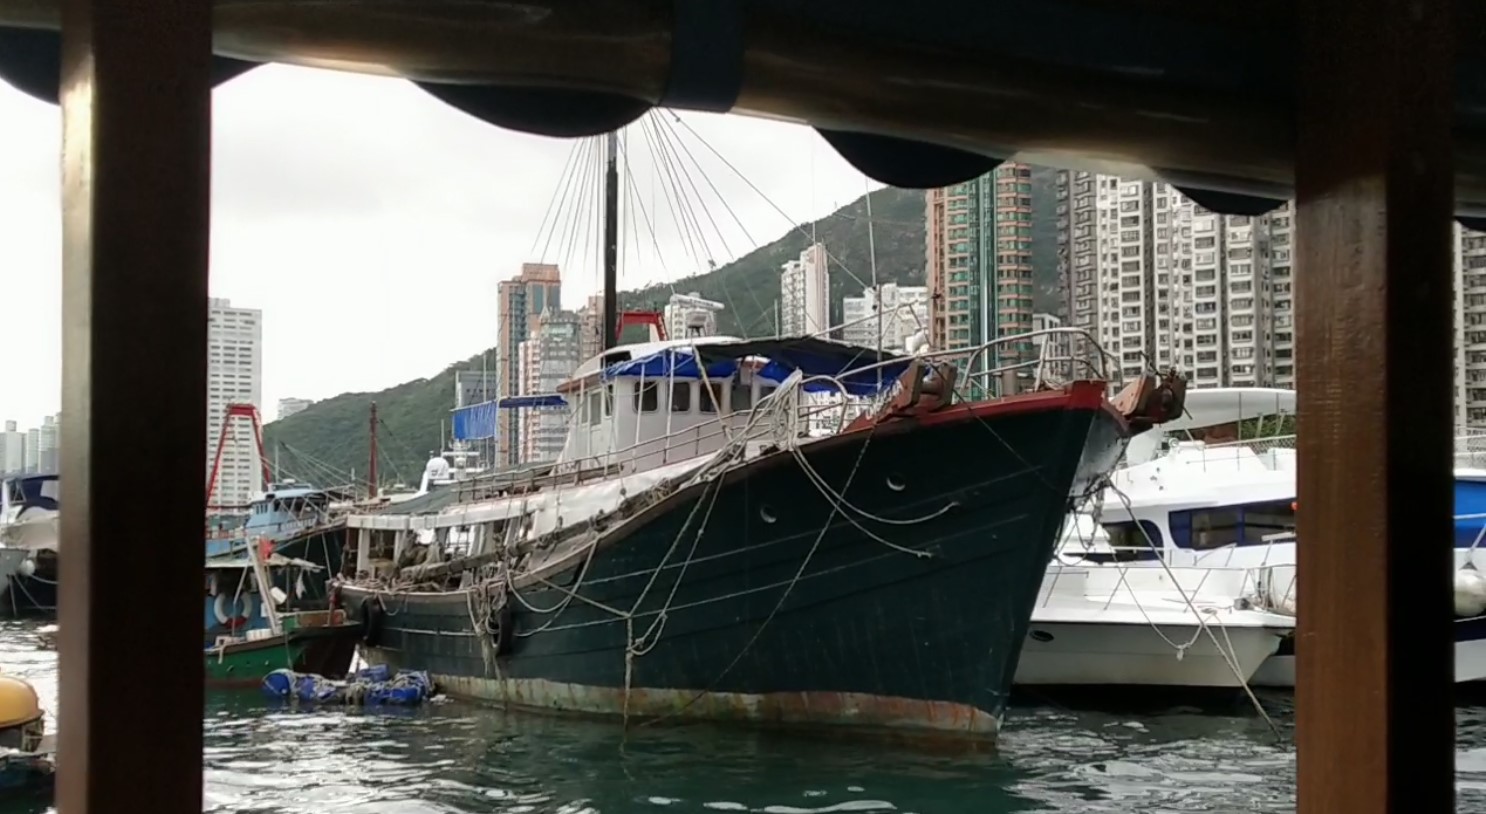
pixel 371 223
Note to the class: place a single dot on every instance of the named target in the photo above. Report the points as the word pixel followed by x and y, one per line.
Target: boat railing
pixel 1055 356
pixel 1265 587
pixel 799 415
pixel 1470 448
pixel 674 447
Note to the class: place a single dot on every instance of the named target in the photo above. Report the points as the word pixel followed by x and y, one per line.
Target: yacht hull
pixel 784 611
pixel 28 595
pixel 1105 654
pixel 1470 657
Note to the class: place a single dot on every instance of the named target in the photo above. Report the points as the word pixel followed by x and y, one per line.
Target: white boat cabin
pixel 643 406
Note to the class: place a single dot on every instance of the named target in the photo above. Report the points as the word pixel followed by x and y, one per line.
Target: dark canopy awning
pixel 1201 95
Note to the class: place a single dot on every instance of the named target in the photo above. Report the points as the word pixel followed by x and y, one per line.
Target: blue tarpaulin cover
pixel 374 686
pixel 811 356
pixel 474 422
pixel 478 420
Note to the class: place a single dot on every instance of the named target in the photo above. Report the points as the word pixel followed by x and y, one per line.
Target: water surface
pixel 452 757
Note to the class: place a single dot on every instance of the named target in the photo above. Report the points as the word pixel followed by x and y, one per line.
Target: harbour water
pixel 451 758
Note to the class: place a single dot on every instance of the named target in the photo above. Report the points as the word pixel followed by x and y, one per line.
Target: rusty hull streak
pixel 787 709
pixel 856 713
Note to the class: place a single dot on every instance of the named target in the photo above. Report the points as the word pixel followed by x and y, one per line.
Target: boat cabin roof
pixel 291 492
pixel 240 560
pixel 29 477
pixel 722 356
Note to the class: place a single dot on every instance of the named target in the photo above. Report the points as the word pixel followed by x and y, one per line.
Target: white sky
pixel 371 222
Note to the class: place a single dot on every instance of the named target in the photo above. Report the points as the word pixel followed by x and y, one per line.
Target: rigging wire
pixel 573 227
pixel 392 436
pixel 660 167
pixel 552 202
pixel 645 216
pixel 662 126
pixel 688 219
pixel 795 225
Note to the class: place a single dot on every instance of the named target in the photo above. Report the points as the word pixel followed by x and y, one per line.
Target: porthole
pixel 896 482
pixel 766 513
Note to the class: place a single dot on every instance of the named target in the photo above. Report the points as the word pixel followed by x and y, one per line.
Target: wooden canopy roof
pixel 1198 94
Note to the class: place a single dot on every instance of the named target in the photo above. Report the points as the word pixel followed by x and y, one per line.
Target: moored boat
pixel 247 636
pixel 296 519
pixel 1106 625
pixel 29 544
pixel 696 553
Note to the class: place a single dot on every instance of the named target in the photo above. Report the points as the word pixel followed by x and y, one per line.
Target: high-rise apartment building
pixel 591 327
pixel 31 451
pixel 904 311
pixel 234 375
pixel 536 289
pixel 48 440
pixel 804 294
pixel 1159 281
pixel 690 315
pixel 1470 330
pixel 978 255
pixel 12 450
pixel 547 358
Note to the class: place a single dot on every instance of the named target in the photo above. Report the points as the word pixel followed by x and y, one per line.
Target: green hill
pixel 330 438
pixel 749 286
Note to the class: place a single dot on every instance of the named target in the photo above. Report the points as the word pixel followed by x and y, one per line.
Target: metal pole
pixel 371 470
pixel 611 241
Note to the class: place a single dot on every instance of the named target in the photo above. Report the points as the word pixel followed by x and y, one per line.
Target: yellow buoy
pixel 18 703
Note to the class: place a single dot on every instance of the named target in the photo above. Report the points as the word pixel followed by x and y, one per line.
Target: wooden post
pixel 136 165
pixel 399 544
pixel 363 552
pixel 1375 718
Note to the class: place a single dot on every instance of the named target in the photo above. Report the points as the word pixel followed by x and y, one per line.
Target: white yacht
pixel 28 543
pixel 1228 508
pixel 1115 611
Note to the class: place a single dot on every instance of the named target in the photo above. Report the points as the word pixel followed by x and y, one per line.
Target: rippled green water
pixel 450 757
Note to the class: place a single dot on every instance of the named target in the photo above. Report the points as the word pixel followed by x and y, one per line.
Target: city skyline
pixel 402 211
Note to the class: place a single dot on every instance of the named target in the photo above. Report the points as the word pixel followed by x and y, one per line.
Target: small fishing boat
pixel 248 636
pixel 301 522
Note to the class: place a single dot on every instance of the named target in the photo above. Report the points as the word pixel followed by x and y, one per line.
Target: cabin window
pixel 766 390
pixel 711 397
pixel 595 408
pixel 680 397
pixel 742 397
pixel 647 397
pixel 1263 519
pixel 608 399
pixel 1216 528
pixel 1133 541
pixel 1232 525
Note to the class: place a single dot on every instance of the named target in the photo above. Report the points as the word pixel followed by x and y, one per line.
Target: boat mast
pixel 371 477
pixel 611 241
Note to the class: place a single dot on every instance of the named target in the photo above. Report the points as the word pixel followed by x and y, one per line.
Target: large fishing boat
pixel 696 552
